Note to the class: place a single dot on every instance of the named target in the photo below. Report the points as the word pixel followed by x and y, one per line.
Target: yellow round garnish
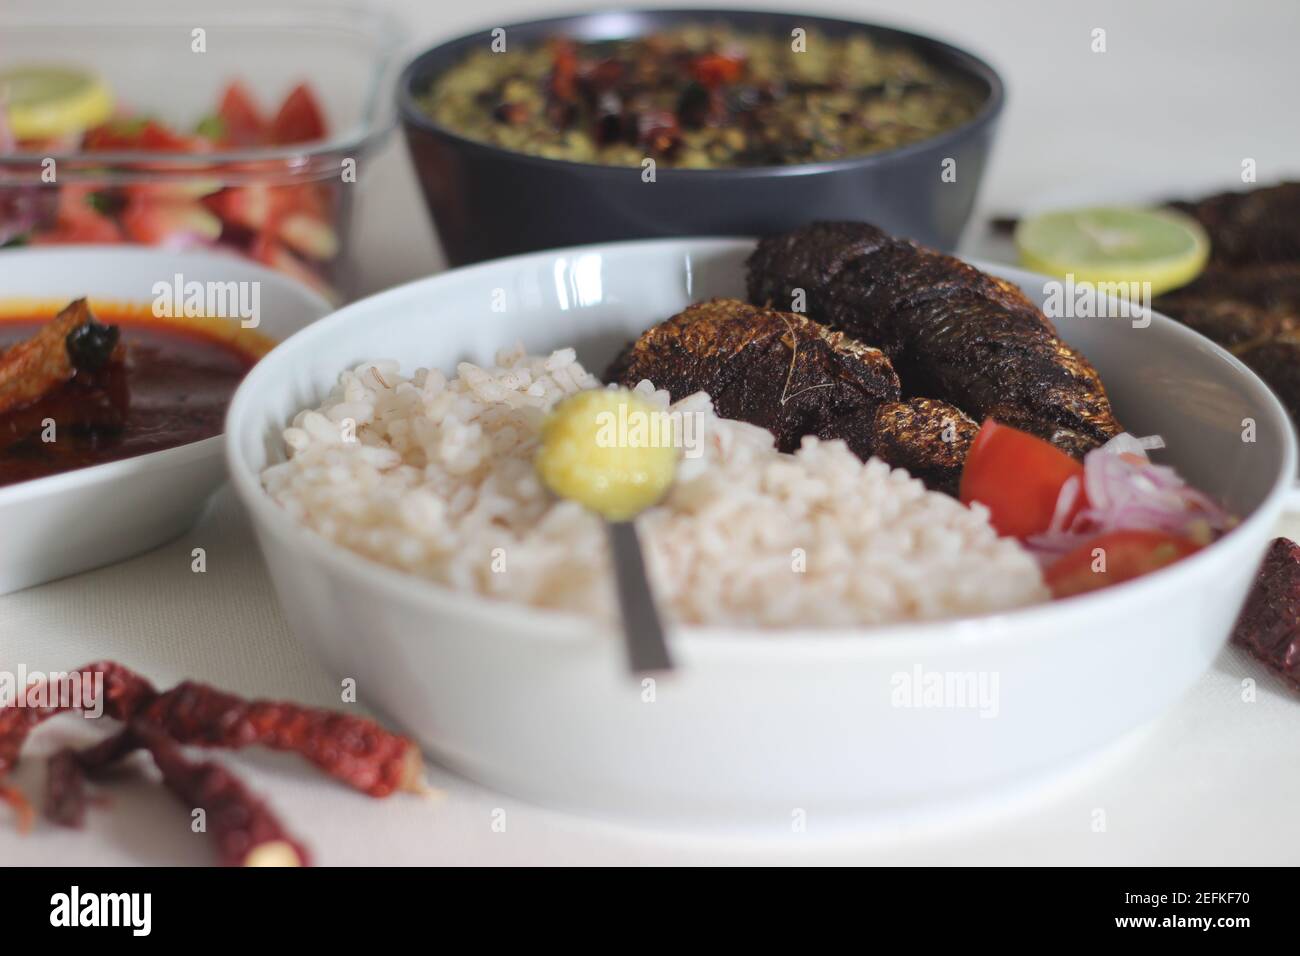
pixel 43 102
pixel 609 450
pixel 1115 244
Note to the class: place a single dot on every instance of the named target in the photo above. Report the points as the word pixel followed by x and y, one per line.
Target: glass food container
pixel 173 157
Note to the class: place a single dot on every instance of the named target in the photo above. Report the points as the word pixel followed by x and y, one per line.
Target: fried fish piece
pixel 1277 361
pixel 952 332
pixel 778 370
pixel 36 366
pixel 1248 298
pixel 1248 228
pixel 1269 624
pixel 1238 305
pixel 928 437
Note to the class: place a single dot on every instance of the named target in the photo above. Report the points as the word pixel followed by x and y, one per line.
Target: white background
pixel 1183 94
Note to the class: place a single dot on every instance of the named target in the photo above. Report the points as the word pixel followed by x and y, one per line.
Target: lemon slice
pixel 1115 244
pixel 50 101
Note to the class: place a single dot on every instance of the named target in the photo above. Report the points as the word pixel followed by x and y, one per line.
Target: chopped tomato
pixel 1115 557
pixel 158 138
pixel 113 135
pixel 161 221
pixel 75 225
pixel 242 122
pixel 79 219
pixel 147 135
pixel 300 119
pixel 716 69
pixel 265 249
pixel 79 232
pixel 1018 477
pixel 256 206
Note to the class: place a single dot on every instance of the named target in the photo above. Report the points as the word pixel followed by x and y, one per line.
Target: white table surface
pixel 1183 94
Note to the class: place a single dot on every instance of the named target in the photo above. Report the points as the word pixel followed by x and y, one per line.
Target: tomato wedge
pixel 242 122
pixel 300 119
pixel 1018 477
pixel 1114 557
pixel 149 135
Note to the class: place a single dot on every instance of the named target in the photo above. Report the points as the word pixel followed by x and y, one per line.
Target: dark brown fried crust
pixel 1269 624
pixel 952 332
pixel 1236 307
pixel 778 370
pixel 1277 362
pixel 36 366
pixel 928 437
pixel 1248 298
pixel 1250 228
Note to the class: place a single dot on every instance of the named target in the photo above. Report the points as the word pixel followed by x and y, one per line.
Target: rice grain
pixel 436 479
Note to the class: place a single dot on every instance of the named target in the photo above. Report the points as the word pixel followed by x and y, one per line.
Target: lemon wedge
pixel 44 102
pixel 1115 244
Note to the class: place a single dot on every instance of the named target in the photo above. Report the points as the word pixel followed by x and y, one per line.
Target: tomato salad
pixel 270 213
pixel 1112 517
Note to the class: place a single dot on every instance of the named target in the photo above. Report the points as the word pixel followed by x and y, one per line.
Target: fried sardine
pixel 951 331
pixel 1248 298
pixel 1249 228
pixel 928 437
pixel 794 377
pixel 777 370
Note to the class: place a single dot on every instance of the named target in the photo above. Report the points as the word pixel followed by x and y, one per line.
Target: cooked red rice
pixel 439 482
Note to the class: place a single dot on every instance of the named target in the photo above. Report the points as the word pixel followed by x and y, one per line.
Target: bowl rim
pixel 109 471
pixel 532 623
pixel 293 161
pixel 968 63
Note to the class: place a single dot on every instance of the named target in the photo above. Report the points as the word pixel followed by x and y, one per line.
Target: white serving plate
pixel 754 725
pixel 71 522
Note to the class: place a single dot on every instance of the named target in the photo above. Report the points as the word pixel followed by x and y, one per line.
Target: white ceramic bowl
pixel 752 725
pixel 60 525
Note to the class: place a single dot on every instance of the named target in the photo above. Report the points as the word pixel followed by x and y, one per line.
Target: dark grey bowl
pixel 488 202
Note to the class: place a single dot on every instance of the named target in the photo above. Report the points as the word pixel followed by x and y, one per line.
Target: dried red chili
pixel 22 809
pixel 65 776
pixel 65 789
pixel 246 832
pixel 717 69
pixel 564 72
pixel 354 750
pixel 123 692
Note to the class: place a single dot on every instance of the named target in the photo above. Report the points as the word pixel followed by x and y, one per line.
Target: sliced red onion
pixel 1065 500
pixel 1126 491
pixel 1124 442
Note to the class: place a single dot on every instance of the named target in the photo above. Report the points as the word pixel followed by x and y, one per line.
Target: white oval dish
pixel 753 725
pixel 82 519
